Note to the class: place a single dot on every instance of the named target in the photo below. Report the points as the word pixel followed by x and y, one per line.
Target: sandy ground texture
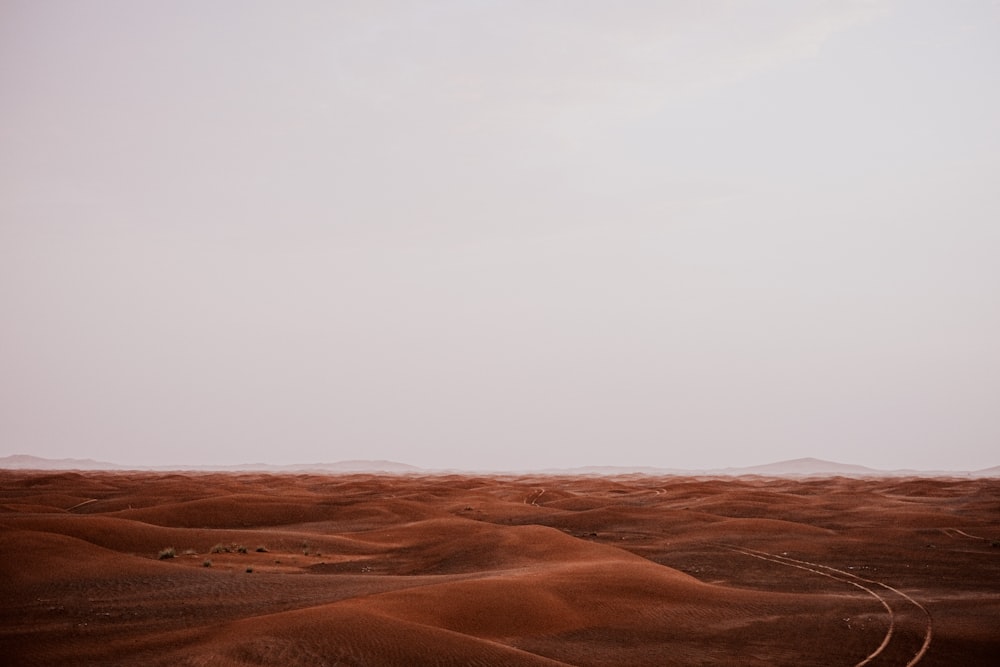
pixel 254 569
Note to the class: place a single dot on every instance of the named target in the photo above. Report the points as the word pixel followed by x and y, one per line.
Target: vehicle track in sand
pixel 534 500
pixel 871 587
pixel 78 505
pixel 953 532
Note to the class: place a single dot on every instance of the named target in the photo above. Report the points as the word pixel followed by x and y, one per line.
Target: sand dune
pixel 508 570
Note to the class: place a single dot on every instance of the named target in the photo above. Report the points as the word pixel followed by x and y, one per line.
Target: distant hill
pixel 804 467
pixel 611 470
pixel 356 465
pixel 28 462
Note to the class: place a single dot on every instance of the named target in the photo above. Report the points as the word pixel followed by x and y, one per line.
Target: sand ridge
pixel 520 570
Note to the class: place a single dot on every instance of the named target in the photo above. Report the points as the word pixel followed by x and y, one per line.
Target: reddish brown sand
pixel 469 570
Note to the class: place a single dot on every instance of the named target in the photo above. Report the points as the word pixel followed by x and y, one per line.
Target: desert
pixel 190 568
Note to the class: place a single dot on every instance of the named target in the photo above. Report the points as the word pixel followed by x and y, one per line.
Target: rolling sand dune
pixel 307 569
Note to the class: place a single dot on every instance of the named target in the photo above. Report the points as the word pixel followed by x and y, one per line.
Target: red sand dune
pixel 477 570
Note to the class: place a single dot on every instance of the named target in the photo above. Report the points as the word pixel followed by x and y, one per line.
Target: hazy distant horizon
pixel 806 466
pixel 501 236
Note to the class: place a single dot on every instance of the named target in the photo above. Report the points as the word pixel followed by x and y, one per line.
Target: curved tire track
pixel 85 502
pixel 952 532
pixel 534 500
pixel 859 582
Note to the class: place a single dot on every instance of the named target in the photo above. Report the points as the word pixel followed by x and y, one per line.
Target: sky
pixel 501 235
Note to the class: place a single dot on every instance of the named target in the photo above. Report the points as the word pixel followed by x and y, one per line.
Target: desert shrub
pixel 207 563
pixel 249 570
pixel 220 549
pixel 262 550
pixel 242 549
pixel 190 552
pixel 169 552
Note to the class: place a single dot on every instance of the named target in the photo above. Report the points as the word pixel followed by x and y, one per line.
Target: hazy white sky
pixel 501 234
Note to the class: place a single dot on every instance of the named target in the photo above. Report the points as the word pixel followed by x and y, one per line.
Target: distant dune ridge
pixel 801 467
pixel 29 462
pixel 808 466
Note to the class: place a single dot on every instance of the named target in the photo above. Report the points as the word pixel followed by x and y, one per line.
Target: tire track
pixel 534 501
pixel 85 502
pixel 892 616
pixel 951 532
pixel 859 582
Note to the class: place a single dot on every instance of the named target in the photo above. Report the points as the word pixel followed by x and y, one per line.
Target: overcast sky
pixel 501 235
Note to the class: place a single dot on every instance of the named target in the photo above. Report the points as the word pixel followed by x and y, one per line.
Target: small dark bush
pixel 169 552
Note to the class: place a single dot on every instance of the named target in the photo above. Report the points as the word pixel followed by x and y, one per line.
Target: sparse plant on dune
pixel 169 552
pixel 206 563
pixel 241 549
pixel 262 550
pixel 220 549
